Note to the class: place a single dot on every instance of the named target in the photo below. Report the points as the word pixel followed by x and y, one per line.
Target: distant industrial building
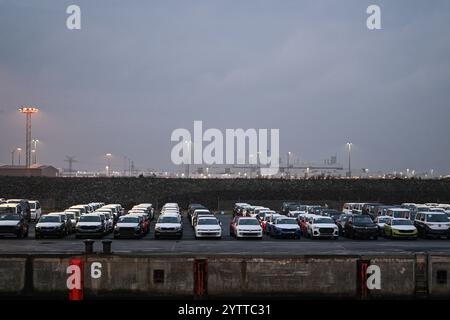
pixel 32 171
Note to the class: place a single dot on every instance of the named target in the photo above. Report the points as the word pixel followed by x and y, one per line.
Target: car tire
pixel 77 236
pixel 375 237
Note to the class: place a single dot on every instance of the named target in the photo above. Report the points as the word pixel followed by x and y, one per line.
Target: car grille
pixel 47 228
pixel 88 227
pixel 406 231
pixel 167 229
pixel 326 230
pixel 8 229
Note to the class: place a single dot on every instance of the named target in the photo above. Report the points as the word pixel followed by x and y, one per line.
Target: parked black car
pixel 333 214
pixel 360 226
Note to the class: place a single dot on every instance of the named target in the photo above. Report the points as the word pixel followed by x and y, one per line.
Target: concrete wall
pixel 63 192
pixel 333 277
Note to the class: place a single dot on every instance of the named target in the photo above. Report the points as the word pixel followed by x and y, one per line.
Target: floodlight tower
pixel 28 112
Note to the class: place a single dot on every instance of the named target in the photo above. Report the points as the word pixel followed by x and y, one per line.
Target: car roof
pixel 207 217
pixel 9 205
pixel 399 209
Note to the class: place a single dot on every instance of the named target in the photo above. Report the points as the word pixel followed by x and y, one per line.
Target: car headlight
pixel 158 228
pixel 38 227
pixel 137 228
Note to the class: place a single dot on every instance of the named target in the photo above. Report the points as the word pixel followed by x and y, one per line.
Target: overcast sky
pixel 137 70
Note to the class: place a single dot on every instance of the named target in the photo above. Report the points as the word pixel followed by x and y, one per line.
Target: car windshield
pixel 89 219
pixel 4 217
pixel 398 214
pixel 248 222
pixel 70 215
pixel 382 220
pixel 323 220
pixel 208 222
pixel 168 219
pixel 437 218
pixel 362 219
pixel 286 221
pixel 32 205
pixel 7 210
pixel 401 222
pixel 296 207
pixel 50 219
pixel 129 219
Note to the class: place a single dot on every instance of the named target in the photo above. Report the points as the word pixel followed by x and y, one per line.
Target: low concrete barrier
pixel 438 276
pixel 217 276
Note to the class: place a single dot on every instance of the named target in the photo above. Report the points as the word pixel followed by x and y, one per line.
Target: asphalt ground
pixel 227 245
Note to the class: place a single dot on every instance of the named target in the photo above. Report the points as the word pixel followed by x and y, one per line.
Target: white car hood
pixel 409 228
pixel 88 224
pixel 249 227
pixel 381 224
pixel 9 223
pixel 48 224
pixel 439 225
pixel 168 225
pixel 287 226
pixel 127 224
pixel 324 225
pixel 208 227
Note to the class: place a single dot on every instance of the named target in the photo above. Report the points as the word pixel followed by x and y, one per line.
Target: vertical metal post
pixel 28 140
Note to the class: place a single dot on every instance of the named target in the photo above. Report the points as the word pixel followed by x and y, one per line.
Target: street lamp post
pixel 188 158
pixel 108 160
pixel 34 143
pixel 19 150
pixel 349 145
pixel 28 111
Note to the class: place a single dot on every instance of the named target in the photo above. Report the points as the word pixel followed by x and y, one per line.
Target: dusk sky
pixel 137 70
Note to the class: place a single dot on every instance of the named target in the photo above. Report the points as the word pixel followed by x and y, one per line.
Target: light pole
pixel 188 158
pixel 349 145
pixel 108 166
pixel 19 150
pixel 34 143
pixel 28 111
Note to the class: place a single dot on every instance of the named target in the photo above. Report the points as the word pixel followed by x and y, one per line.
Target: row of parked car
pixel 96 220
pixel 204 221
pixel 16 214
pixel 356 220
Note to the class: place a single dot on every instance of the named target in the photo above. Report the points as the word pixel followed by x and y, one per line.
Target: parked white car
pixel 168 225
pixel 36 210
pixel 208 227
pixel 320 227
pixel 247 227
